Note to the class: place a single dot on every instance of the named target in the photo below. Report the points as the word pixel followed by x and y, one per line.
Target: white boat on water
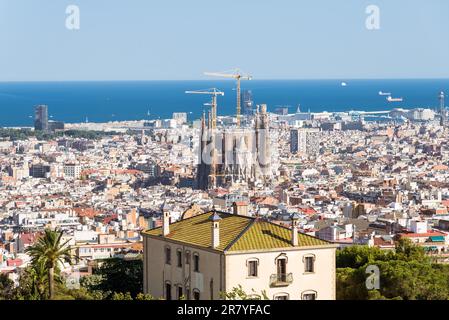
pixel 384 93
pixel 390 99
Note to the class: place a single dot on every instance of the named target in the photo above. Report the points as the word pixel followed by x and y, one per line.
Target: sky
pixel 179 39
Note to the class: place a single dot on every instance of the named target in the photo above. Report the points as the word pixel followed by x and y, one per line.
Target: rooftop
pixel 237 233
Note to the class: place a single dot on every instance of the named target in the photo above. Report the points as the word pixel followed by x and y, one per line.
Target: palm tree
pixel 48 250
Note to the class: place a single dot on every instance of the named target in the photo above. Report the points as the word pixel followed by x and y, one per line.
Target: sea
pixel 74 102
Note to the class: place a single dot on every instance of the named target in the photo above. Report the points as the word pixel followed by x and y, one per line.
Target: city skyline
pixel 178 41
pixel 224 150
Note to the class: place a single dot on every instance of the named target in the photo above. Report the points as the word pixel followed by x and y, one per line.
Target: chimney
pixel 240 208
pixel 295 221
pixel 215 218
pixel 166 223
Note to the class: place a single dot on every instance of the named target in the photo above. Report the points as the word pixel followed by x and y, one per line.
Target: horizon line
pixel 223 80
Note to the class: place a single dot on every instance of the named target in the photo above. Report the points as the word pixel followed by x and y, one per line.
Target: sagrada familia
pixel 234 155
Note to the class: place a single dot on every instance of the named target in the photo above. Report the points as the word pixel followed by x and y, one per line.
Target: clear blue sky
pixel 179 39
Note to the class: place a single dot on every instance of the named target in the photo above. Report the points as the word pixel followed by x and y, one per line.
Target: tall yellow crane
pixel 235 74
pixel 214 92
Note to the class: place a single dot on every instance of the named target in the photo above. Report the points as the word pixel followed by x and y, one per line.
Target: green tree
pixel 117 276
pixel 49 251
pixel 121 296
pixel 407 250
pixel 351 284
pixel 406 273
pixel 6 287
pixel 357 256
pixel 238 293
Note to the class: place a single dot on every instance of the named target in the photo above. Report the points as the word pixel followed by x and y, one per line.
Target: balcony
pixel 281 279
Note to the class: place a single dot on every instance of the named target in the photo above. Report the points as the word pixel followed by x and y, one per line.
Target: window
pixel 309 264
pixel 167 255
pixel 252 268
pixel 281 266
pixel 281 296
pixel 196 294
pixel 167 291
pixel 309 295
pixel 211 288
pixel 187 254
pixel 179 258
pixel 196 262
pixel 180 293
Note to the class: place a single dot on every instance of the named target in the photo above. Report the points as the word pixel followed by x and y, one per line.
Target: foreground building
pixel 201 257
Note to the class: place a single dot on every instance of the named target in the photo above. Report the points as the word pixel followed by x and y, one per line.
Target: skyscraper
pixel 41 118
pixel 305 141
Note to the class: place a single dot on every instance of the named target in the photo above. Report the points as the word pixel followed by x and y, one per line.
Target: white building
pixel 72 171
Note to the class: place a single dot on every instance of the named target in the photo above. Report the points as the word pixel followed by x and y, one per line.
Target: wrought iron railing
pixel 281 279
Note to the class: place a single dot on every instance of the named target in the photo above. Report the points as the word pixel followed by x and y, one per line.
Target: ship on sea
pixel 391 99
pixel 384 93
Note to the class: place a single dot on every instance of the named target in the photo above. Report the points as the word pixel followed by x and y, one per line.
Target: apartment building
pixel 203 256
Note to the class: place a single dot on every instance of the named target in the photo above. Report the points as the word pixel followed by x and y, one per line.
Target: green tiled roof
pixel 237 233
pixel 266 235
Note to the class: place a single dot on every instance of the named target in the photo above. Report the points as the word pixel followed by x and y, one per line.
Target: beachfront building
pixel 203 256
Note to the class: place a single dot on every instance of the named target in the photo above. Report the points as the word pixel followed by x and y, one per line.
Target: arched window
pixel 179 291
pixel 179 258
pixel 196 294
pixel 252 265
pixel 211 288
pixel 281 296
pixel 167 255
pixel 196 262
pixel 168 290
pixel 309 295
pixel 309 263
pixel 281 267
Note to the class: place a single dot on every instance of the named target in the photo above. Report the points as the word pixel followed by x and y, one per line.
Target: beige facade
pixel 174 268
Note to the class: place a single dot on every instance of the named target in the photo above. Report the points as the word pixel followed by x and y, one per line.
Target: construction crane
pixel 236 74
pixel 214 93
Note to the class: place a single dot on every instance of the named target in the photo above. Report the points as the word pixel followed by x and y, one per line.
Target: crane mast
pixel 214 93
pixel 236 74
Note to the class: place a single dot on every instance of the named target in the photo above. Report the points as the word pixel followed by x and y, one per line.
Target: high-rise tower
pixel 41 118
pixel 442 110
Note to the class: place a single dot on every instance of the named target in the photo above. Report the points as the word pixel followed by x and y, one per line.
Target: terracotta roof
pixel 440 167
pixel 378 241
pixel 237 233
pixel 428 234
pixel 87 212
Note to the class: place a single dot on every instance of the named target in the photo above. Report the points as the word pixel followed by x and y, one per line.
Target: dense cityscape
pixel 138 179
pixel 255 205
